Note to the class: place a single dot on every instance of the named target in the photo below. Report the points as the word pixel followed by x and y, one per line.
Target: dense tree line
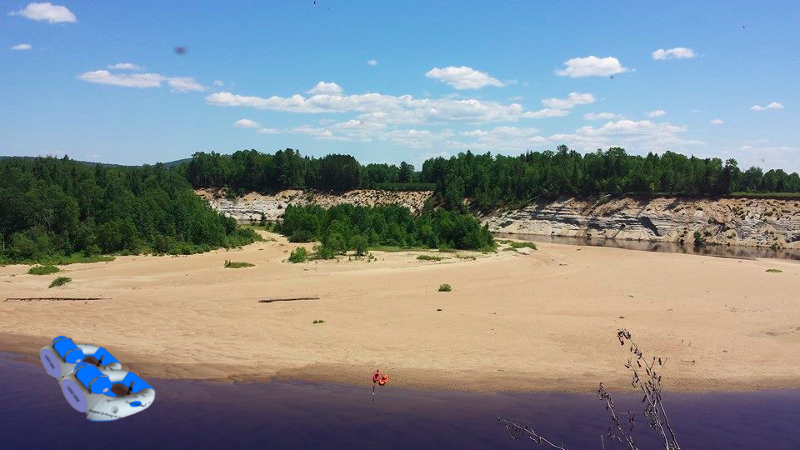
pixel 492 180
pixel 347 227
pixel 57 209
pixel 250 170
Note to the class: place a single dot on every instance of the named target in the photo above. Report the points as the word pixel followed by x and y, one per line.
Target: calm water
pixel 189 414
pixel 665 247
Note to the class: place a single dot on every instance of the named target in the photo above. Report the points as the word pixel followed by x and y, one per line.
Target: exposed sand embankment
pixel 540 321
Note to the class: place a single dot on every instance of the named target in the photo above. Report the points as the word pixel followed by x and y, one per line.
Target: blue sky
pixel 392 81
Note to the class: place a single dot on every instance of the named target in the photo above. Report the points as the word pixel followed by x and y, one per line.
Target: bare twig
pixel 518 430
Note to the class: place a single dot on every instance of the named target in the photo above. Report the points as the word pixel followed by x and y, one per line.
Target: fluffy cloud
pixel 463 77
pixel 141 80
pixel 46 11
pixel 591 66
pixel 374 107
pixel 544 113
pixel 218 83
pixel 247 123
pixel 124 66
pixel 184 84
pixel 601 116
pixel 323 88
pixel 674 53
pixel 773 105
pixel 644 135
pixel 22 47
pixel 572 100
pixel 716 122
pixel 657 113
pixel 373 62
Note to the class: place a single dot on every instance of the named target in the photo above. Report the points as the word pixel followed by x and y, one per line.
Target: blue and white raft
pixel 61 357
pixel 106 395
pixel 92 381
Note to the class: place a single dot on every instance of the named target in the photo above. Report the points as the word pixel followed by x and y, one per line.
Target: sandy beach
pixel 534 320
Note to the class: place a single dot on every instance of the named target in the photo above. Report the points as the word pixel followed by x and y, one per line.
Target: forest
pixel 347 227
pixel 493 180
pixel 59 210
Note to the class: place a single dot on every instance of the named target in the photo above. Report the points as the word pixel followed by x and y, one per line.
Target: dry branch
pixel 294 299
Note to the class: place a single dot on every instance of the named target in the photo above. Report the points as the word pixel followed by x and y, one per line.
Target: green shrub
pixel 774 271
pixel 43 270
pixel 445 288
pixel 429 258
pixel 318 321
pixel 300 254
pixel 60 281
pixel 531 245
pixel 237 265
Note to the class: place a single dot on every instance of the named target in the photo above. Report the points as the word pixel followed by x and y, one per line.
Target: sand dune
pixel 540 321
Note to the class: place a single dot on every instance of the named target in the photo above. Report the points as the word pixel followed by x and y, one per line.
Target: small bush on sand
pixel 774 271
pixel 300 254
pixel 237 264
pixel 429 258
pixel 445 288
pixel 530 245
pixel 43 270
pixel 60 281
pixel 318 321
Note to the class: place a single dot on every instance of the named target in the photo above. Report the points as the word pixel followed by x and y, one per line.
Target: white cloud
pixel 641 135
pixel 377 107
pixel 124 66
pixel 373 62
pixel 247 123
pixel 601 116
pixel 184 84
pixel 545 112
pixel 674 53
pixel 218 83
pixel 22 47
pixel 573 99
pixel 323 88
pixel 46 11
pixel 773 105
pixel 463 77
pixel 141 80
pixel 657 113
pixel 716 122
pixel 591 66
pixel 137 80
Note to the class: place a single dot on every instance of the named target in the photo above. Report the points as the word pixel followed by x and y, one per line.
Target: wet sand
pixel 543 321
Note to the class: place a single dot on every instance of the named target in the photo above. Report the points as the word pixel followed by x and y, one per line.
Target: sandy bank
pixel 539 321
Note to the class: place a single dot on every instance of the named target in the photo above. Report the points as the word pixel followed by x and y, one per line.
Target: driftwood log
pixel 294 299
pixel 55 299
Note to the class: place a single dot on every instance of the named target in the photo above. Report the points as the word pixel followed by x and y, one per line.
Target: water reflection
pixel 722 251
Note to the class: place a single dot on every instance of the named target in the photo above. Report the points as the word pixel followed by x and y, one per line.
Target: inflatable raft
pixel 61 357
pixel 92 381
pixel 106 395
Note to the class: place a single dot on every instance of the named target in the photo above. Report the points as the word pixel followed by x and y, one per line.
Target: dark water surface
pixel 664 247
pixel 192 414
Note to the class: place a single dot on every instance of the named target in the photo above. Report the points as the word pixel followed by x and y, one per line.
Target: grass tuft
pixel 60 281
pixel 445 288
pixel 774 271
pixel 237 265
pixel 429 258
pixel 43 270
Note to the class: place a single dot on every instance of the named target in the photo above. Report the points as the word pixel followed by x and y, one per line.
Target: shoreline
pixel 524 320
pixel 416 380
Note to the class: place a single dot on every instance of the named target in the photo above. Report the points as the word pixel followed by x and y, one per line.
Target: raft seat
pixel 97 382
pixel 67 349
pixel 119 390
